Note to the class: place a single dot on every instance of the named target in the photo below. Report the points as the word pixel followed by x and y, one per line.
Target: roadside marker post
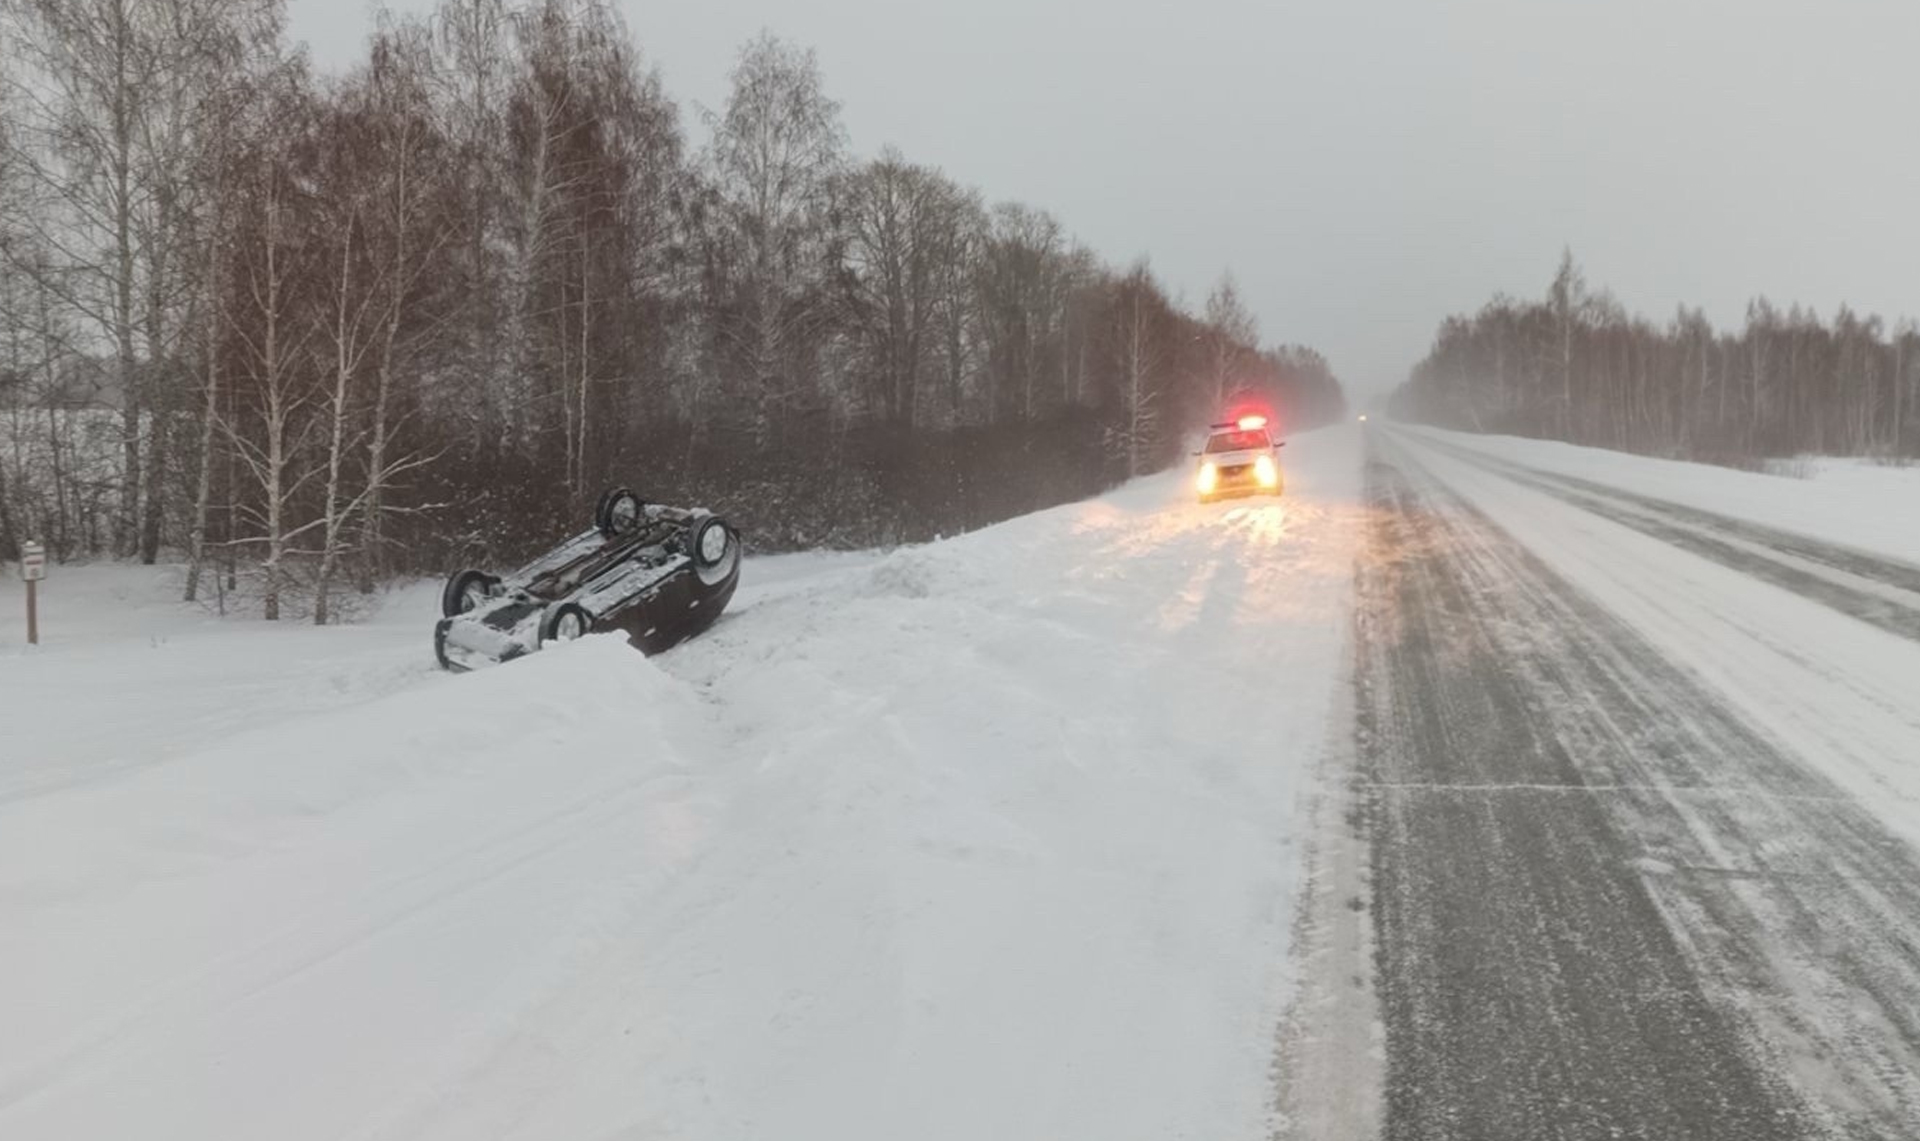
pixel 33 568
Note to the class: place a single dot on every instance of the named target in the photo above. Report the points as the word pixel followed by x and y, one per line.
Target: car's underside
pixel 660 574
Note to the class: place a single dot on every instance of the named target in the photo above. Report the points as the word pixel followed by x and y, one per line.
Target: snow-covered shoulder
pixel 991 837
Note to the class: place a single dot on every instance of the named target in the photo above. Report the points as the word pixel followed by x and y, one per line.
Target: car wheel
pixel 618 512
pixel 465 591
pixel 565 623
pixel 440 647
pixel 714 548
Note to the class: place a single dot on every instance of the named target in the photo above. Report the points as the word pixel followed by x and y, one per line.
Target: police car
pixel 1240 458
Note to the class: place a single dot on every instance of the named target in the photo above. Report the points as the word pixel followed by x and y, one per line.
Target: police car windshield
pixel 1237 441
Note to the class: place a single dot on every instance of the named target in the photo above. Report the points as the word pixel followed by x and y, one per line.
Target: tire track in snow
pixel 1327 1074
pixel 1707 941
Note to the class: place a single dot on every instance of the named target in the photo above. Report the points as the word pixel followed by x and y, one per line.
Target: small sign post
pixel 33 568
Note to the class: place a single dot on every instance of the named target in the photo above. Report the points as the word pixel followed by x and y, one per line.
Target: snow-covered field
pixel 996 837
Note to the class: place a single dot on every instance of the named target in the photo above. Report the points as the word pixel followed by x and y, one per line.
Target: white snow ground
pixel 990 838
pixel 1853 502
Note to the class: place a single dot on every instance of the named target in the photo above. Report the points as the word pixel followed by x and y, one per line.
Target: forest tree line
pixel 311 331
pixel 1576 366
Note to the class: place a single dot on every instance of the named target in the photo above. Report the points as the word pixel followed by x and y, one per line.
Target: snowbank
pixel 992 837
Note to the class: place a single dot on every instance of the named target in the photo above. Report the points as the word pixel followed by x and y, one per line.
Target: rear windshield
pixel 1238 441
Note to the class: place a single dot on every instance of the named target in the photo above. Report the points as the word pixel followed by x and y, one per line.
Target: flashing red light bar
pixel 1249 423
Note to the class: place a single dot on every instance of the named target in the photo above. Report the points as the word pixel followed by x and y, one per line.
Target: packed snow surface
pixel 994 837
pixel 1635 777
pixel 1841 693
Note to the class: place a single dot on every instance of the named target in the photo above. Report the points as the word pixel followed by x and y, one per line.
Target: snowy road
pixel 1637 785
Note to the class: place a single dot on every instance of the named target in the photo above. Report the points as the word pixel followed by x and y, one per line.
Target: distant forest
pixel 309 332
pixel 1575 366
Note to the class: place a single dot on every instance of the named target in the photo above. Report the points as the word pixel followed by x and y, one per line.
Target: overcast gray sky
pixel 1367 168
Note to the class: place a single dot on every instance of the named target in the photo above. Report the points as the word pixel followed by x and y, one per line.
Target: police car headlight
pixel 1265 473
pixel 1208 479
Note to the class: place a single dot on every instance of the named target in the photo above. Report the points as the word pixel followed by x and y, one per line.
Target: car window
pixel 1238 441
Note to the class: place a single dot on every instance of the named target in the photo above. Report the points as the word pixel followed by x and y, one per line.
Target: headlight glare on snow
pixel 1209 478
pixel 1265 473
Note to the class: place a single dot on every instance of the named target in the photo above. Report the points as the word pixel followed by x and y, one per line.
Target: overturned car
pixel 660 574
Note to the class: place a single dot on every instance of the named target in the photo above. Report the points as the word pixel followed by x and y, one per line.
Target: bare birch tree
pixel 1230 329
pixel 277 389
pixel 776 148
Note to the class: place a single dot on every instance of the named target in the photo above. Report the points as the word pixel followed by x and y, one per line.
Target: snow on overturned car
pixel 659 574
pixel 1241 457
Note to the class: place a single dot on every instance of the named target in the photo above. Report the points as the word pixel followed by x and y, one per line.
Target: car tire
pixel 464 591
pixel 618 512
pixel 714 548
pixel 440 647
pixel 565 623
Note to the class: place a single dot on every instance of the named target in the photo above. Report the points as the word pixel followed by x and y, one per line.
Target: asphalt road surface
pixel 1604 904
